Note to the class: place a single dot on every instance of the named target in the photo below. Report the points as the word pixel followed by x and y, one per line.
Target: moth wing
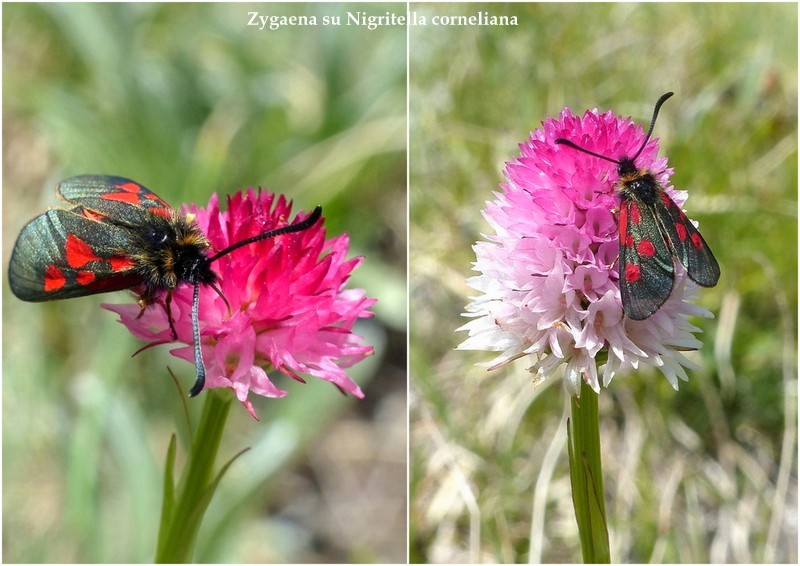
pixel 688 245
pixel 120 200
pixel 61 254
pixel 647 272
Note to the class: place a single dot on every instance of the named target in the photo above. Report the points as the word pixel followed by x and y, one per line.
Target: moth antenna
pixel 564 141
pixel 296 227
pixel 222 296
pixel 660 101
pixel 200 382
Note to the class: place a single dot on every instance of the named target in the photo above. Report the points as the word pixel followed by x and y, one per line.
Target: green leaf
pixel 168 505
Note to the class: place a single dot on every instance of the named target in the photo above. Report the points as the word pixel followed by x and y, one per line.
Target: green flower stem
pixel 586 475
pixel 182 512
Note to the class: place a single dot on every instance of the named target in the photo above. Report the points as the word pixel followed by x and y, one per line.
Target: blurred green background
pixel 706 474
pixel 189 100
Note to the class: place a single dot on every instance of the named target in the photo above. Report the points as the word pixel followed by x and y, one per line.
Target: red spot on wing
pixel 668 202
pixel 632 273
pixel 625 239
pixel 155 199
pixel 697 242
pixel 120 263
pixel 129 192
pixel 680 227
pixel 163 212
pixel 134 194
pixel 78 252
pixel 84 278
pixel 130 187
pixel 646 248
pixel 53 279
pixel 636 216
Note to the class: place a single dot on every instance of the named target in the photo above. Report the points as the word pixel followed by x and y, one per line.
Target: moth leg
pixel 147 299
pixel 143 302
pixel 168 308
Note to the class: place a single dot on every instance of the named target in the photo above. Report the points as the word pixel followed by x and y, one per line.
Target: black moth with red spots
pixel 653 231
pixel 119 235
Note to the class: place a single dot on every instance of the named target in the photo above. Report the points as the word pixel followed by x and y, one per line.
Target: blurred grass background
pixel 706 474
pixel 188 100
